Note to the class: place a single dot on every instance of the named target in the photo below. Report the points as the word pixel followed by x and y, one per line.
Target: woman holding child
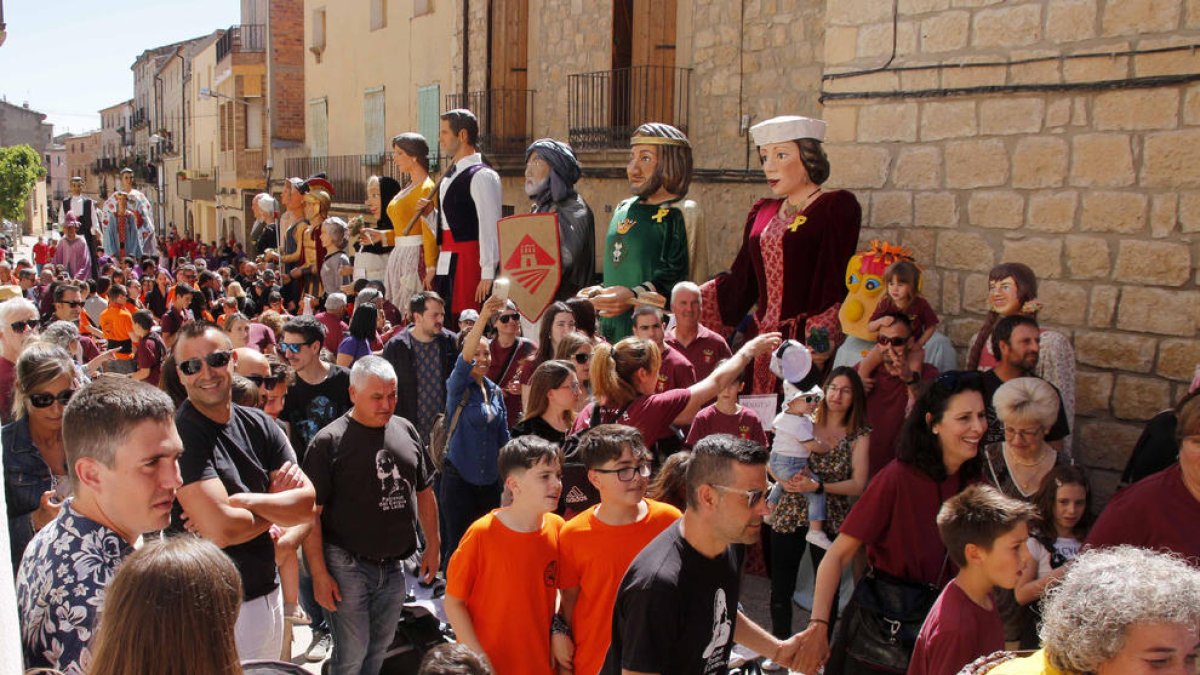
pixel 896 520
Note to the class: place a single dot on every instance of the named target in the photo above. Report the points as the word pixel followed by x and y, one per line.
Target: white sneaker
pixel 818 538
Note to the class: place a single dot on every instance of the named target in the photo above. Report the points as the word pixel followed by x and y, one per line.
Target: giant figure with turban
pixel 551 171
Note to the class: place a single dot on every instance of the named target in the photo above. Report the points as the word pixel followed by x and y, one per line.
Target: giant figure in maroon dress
pixel 815 231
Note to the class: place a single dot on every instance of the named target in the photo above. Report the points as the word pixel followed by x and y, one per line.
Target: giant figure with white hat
pixel 813 229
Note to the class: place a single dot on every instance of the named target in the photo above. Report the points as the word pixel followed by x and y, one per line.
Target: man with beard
pixel 1016 341
pixel 87 223
pixel 677 606
pixel 646 249
pixel 139 204
pixel 551 172
pixel 469 197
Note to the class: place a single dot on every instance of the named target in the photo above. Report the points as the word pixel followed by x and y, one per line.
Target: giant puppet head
pixel 660 156
pixel 865 286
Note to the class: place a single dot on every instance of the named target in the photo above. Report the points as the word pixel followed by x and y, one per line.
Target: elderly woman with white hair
pixel 334 239
pixel 1119 611
pixel 1027 407
pixel 18 324
pixel 264 234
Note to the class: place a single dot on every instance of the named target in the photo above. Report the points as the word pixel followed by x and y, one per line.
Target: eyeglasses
pixel 71 303
pixel 507 318
pixel 22 326
pixel 1024 434
pixel 572 385
pixel 214 360
pixel 47 400
pixel 582 358
pixel 626 474
pixel 293 347
pixel 884 341
pixel 268 381
pixel 753 497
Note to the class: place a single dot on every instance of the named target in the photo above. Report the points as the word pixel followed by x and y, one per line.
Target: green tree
pixel 20 168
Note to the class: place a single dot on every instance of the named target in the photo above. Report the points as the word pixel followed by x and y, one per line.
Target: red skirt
pixel 464 275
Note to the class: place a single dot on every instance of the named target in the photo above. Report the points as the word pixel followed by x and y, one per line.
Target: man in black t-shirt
pixel 1015 340
pixel 676 610
pixel 239 477
pixel 320 392
pixel 373 480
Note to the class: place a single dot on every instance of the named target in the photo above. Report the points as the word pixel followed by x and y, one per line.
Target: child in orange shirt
pixel 501 581
pixel 596 547
pixel 117 323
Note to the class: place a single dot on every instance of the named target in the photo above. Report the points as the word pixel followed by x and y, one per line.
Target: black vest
pixel 459 206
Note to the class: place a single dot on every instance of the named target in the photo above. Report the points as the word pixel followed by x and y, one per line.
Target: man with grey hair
pixel 368 503
pixel 122 455
pixel 334 320
pixel 702 347
pixel 264 234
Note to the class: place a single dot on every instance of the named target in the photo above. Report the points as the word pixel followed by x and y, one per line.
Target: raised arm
pixel 471 342
pixel 707 389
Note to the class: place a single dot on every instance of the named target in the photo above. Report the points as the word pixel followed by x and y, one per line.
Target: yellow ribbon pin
pixel 662 213
pixel 797 222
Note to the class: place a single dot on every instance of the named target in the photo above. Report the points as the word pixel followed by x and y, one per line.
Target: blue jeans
pixel 366 618
pixel 783 467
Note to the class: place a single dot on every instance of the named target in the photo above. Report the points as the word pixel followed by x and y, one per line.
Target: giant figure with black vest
pixel 89 221
pixel 469 200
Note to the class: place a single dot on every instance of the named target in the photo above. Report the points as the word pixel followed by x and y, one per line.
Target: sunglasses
pixel 22 326
pixel 895 341
pixel 293 347
pixel 507 318
pixel 753 497
pixel 71 303
pixel 214 360
pixel 582 358
pixel 47 400
pixel 269 381
pixel 627 473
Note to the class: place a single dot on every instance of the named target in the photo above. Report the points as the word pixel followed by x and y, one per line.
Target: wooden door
pixel 652 78
pixel 505 105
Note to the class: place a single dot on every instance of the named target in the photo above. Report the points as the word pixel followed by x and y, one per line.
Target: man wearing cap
pixel 646 249
pixel 815 231
pixel 467 319
pixel 89 222
pixel 551 172
pixel 469 197
pixel 72 251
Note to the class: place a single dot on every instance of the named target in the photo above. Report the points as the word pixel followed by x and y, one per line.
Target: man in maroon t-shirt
pixel 703 348
pixel 179 313
pixel 333 318
pixel 676 371
pixel 893 390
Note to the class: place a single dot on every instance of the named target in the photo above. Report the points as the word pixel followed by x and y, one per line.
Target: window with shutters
pixel 254 125
pixel 428 119
pixel 378 14
pixel 318 33
pixel 374 124
pixel 318 127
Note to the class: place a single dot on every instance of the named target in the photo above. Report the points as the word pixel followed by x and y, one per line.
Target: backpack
pixel 578 493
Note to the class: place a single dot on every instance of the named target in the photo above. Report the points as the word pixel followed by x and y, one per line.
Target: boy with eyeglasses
pixel 596 546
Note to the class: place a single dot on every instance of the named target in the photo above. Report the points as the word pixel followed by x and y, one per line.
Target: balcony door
pixel 643 58
pixel 505 100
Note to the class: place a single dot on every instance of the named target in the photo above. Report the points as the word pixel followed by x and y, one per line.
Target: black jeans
pixel 787 550
pixel 461 503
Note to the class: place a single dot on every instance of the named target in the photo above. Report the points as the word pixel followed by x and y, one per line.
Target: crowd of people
pixel 203 445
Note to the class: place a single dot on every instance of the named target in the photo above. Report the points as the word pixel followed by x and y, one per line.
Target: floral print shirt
pixel 60 589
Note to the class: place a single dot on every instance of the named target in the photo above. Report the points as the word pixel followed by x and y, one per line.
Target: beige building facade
pixel 1060 133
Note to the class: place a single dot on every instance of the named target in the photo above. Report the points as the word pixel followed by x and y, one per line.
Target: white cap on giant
pixel 787 128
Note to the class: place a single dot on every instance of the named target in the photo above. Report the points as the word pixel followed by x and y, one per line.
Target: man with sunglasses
pixel 320 392
pixel 597 546
pixel 893 390
pixel 18 324
pixel 240 476
pixel 677 607
pixel 68 305
pixel 509 351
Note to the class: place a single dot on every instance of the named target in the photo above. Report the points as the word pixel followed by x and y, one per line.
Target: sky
pixel 70 58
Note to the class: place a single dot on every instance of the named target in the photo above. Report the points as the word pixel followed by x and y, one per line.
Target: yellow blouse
pixel 403 207
pixel 1034 664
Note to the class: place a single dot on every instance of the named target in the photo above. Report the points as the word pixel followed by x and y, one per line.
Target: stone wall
pixel 1060 165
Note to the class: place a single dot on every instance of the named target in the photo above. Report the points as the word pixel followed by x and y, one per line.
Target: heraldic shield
pixel 530 258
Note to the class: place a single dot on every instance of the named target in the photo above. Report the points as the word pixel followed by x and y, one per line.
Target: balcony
pixel 105 165
pixel 239 165
pixel 605 107
pixel 505 119
pixel 348 173
pixel 138 118
pixel 195 187
pixel 243 39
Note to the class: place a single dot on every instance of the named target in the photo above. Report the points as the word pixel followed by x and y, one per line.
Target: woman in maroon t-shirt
pixel 896 518
pixel 625 375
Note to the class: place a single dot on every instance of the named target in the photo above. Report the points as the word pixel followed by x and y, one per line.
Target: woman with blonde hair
pixel 170 610
pixel 625 375
pixel 550 410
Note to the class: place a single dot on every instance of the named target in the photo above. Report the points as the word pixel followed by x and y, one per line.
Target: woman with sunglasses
pixel 576 349
pixel 896 520
pixel 551 409
pixel 35 464
pixel 509 352
pixel 18 324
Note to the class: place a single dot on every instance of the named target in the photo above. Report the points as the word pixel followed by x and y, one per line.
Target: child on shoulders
pixel 903 279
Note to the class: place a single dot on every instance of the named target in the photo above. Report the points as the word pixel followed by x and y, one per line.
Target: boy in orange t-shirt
pixel 501 581
pixel 596 547
pixel 117 323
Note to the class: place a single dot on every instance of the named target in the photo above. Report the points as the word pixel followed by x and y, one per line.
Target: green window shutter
pixel 428 116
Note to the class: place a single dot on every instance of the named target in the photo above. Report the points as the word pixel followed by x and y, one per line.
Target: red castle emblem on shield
pixel 529 265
